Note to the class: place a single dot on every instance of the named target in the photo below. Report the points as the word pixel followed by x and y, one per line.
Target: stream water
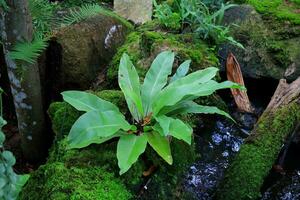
pixel 218 143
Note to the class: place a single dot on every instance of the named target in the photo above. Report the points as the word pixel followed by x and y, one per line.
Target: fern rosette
pixel 154 106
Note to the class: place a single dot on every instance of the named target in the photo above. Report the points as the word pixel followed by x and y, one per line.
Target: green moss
pixel 121 19
pixel 63 117
pixel 296 1
pixel 114 96
pixel 268 50
pixel 278 8
pixel 186 46
pixel 55 181
pixel 143 47
pixel 258 154
pixel 103 156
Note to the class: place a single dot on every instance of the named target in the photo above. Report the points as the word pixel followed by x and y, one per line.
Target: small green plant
pixel 165 14
pixel 10 183
pixel 155 106
pixel 196 15
pixel 43 15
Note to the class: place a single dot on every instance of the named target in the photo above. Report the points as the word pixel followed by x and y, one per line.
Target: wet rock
pixel 271 47
pixel 138 11
pixel 86 49
pixel 287 188
pixel 246 120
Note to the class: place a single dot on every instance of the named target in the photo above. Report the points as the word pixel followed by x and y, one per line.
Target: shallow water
pixel 285 185
pixel 218 144
pixel 216 147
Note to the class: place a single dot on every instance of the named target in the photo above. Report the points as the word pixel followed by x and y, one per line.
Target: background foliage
pixel 10 183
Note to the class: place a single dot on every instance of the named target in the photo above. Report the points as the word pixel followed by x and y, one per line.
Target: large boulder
pixel 80 52
pixel 271 46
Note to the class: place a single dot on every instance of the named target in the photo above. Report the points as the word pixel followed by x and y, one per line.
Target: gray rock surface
pixel 138 11
pixel 86 49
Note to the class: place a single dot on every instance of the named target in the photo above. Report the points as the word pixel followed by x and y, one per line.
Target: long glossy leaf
pixel 130 85
pixel 164 122
pixel 200 76
pixel 94 127
pixel 187 83
pixel 129 148
pixel 173 95
pixel 84 101
pixel 174 127
pixel 181 71
pixel 156 78
pixel 161 145
pixel 181 131
pixel 192 107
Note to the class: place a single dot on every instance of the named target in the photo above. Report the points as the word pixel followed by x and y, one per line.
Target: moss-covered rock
pixel 55 181
pixel 143 46
pixel 80 52
pixel 281 9
pixel 246 174
pixel 271 47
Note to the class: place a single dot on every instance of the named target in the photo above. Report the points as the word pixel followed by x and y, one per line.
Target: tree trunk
pixel 246 174
pixel 16 26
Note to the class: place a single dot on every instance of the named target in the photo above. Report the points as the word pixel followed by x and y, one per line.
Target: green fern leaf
pixel 84 12
pixel 42 12
pixel 28 51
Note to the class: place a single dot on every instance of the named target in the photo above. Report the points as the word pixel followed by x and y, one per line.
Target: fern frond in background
pixel 73 3
pixel 42 12
pixel 29 51
pixel 78 14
